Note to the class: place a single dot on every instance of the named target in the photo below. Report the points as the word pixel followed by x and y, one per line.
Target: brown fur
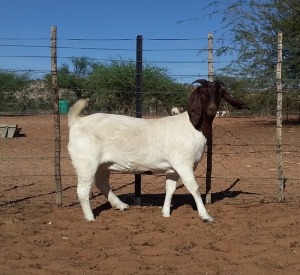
pixel 204 103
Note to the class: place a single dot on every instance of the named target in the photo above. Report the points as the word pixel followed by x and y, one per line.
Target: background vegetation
pixel 251 28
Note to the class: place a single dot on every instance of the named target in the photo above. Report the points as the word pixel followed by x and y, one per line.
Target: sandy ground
pixel 252 233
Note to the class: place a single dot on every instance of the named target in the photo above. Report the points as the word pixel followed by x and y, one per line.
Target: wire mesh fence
pixel 244 143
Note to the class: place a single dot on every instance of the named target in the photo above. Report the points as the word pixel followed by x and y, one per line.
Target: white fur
pixel 222 113
pixel 101 143
pixel 176 110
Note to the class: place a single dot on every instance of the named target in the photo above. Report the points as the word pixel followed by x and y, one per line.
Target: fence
pixel 244 163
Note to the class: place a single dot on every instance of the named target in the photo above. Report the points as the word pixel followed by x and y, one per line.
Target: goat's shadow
pixel 178 200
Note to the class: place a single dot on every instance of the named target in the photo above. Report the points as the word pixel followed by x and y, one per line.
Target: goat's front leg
pixel 171 182
pixel 188 179
pixel 102 183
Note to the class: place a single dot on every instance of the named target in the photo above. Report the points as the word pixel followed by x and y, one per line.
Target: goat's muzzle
pixel 212 111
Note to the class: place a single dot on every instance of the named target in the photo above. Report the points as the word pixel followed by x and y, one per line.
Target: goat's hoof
pixel 208 220
pixel 123 207
pixel 166 215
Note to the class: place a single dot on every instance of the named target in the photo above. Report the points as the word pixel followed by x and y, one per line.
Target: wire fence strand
pixel 244 141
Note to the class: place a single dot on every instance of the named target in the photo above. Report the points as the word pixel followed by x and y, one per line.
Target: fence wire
pixel 244 157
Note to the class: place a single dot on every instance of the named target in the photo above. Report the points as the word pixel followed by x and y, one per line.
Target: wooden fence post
pixel 210 139
pixel 56 116
pixel 210 57
pixel 281 179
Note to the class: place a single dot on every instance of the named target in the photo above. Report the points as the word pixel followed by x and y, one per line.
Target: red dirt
pixel 252 233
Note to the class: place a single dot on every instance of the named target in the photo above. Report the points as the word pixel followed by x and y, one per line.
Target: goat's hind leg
pixel 171 181
pixel 102 183
pixel 85 182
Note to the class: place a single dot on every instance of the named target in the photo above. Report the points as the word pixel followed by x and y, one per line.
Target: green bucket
pixel 63 107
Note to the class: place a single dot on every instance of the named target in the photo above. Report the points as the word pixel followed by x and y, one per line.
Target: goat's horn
pixel 200 81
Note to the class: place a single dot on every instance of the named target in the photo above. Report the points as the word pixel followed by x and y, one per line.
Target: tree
pixel 11 84
pixel 160 90
pixel 252 28
pixel 249 37
pixel 114 87
pixel 82 67
pixel 74 79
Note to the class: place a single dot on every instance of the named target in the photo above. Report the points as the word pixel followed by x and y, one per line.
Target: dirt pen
pixel 252 232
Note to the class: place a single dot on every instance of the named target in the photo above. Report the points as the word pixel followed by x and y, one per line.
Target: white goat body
pixel 101 143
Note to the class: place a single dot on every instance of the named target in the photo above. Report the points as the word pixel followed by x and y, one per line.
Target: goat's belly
pixel 133 168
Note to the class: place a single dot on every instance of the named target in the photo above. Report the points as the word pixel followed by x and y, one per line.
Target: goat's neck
pixel 205 126
pixel 206 129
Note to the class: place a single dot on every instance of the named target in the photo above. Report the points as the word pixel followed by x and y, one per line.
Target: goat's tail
pixel 76 109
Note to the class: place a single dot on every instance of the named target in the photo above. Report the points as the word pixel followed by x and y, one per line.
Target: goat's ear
pixel 220 82
pixel 194 107
pixel 236 103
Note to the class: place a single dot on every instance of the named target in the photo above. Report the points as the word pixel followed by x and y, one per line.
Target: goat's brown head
pixel 204 102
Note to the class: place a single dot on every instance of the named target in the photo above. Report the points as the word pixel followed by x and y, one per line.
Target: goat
pixel 176 110
pixel 174 145
pixel 222 113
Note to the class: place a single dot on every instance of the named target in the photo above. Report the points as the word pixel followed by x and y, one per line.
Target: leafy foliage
pixel 112 85
pixel 10 85
pixel 252 27
pixel 249 37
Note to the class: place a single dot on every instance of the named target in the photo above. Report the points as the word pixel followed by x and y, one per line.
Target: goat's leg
pixel 171 182
pixel 188 179
pixel 102 183
pixel 84 186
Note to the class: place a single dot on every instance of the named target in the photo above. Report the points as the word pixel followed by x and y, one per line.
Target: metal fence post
pixel 139 99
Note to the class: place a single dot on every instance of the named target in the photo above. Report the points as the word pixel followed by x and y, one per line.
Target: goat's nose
pixel 212 109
